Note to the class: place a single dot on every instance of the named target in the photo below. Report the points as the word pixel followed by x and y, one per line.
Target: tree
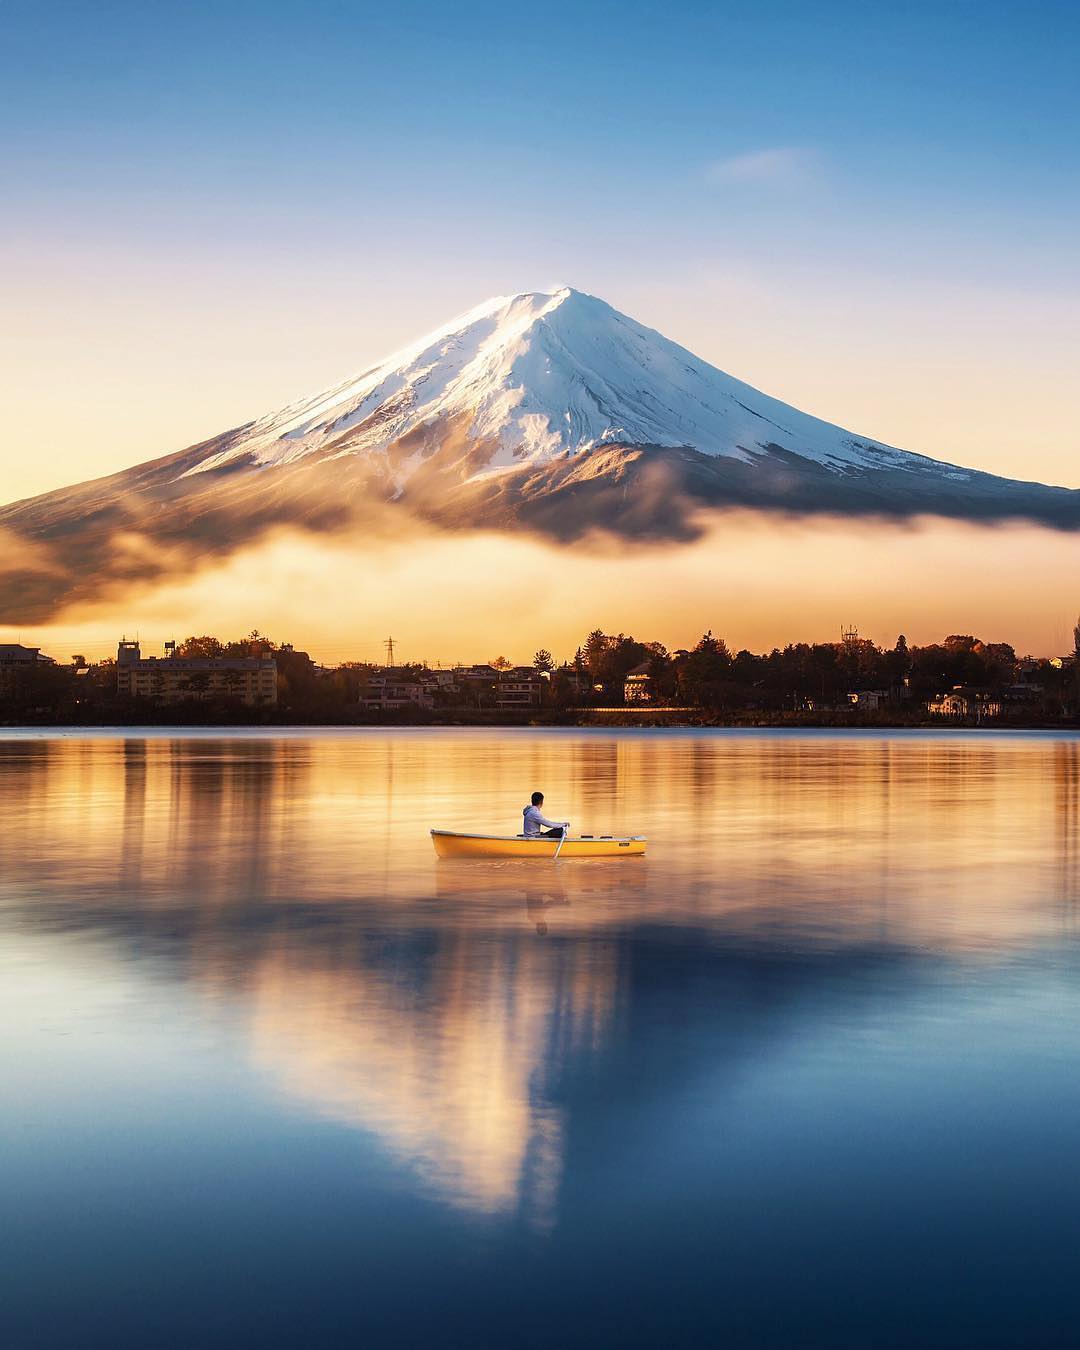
pixel 254 645
pixel 897 665
pixel 1076 656
pixel 1000 663
pixel 661 671
pixel 607 658
pixel 565 688
pixel 593 653
pixel 500 663
pixel 543 662
pixel 205 646
pixel 624 654
pixel 705 672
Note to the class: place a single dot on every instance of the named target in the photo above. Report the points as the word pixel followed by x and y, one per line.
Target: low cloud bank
pixel 449 595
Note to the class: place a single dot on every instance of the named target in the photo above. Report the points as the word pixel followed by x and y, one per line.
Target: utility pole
pixel 389 645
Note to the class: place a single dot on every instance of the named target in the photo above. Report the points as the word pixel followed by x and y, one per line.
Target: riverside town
pixel 608 680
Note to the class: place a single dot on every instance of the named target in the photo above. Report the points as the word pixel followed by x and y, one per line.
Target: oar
pixel 562 840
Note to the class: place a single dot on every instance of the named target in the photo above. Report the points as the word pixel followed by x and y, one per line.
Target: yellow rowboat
pixel 448 844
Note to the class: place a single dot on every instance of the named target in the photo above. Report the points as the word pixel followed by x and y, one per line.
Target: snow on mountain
pixel 540 374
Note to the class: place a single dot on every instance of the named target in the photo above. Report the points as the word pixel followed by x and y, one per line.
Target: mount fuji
pixel 545 410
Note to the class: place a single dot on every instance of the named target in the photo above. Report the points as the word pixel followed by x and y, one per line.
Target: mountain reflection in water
pixel 532 1043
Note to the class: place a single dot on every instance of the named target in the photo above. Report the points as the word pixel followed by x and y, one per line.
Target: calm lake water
pixel 806 1075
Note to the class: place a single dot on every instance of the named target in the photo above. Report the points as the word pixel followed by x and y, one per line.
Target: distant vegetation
pixel 853 681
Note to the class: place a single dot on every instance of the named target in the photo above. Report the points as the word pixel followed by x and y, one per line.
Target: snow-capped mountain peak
pixel 536 375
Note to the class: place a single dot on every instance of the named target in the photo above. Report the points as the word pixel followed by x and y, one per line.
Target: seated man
pixel 535 819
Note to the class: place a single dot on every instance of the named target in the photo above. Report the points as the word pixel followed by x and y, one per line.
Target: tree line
pixel 709 680
pixel 710 675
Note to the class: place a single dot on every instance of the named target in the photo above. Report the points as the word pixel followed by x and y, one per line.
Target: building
pixel 17 667
pixel 474 686
pixel 637 686
pixel 962 702
pixel 440 677
pixel 521 687
pixel 576 680
pixel 867 700
pixel 811 704
pixel 388 687
pixel 480 676
pixel 15 654
pixel 385 690
pixel 1023 692
pixel 177 679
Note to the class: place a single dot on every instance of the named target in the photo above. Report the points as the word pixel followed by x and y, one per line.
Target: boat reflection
pixel 573 895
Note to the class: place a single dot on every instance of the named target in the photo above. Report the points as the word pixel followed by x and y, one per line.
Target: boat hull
pixel 451 845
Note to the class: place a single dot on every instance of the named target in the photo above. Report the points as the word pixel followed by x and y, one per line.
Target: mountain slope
pixel 549 410
pixel 539 375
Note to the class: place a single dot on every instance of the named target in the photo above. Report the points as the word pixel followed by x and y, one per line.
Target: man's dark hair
pixel 537 798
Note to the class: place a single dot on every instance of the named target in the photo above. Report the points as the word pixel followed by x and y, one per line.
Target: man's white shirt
pixel 535 821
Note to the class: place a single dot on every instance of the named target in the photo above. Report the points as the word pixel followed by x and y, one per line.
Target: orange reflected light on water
pixel 929 825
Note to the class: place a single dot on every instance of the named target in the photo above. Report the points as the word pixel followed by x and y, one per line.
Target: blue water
pixel 806 1075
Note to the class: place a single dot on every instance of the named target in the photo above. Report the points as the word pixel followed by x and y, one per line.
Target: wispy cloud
pixel 780 166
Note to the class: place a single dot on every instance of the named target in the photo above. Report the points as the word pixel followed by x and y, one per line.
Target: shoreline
pixel 689 721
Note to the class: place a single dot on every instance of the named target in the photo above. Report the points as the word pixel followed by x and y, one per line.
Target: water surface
pixel 271 1074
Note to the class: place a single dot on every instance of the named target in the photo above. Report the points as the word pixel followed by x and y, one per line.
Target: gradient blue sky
pixel 869 210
